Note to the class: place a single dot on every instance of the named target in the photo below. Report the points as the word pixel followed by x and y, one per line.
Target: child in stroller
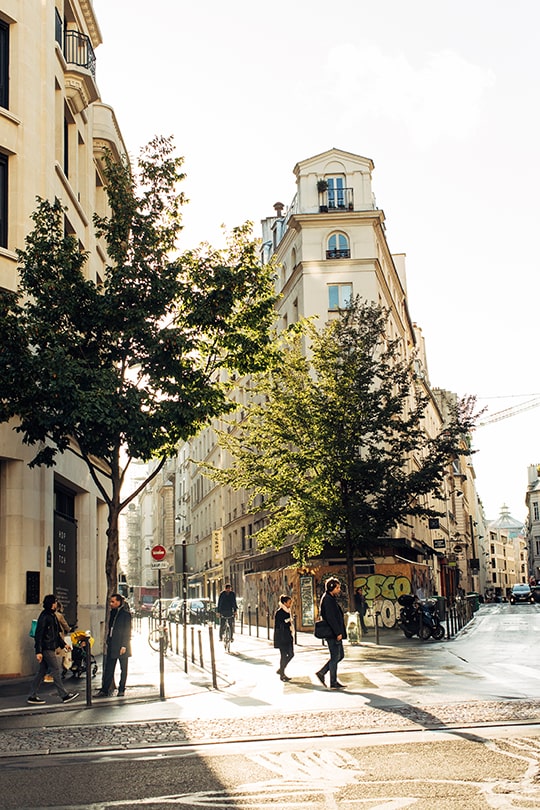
pixel 78 654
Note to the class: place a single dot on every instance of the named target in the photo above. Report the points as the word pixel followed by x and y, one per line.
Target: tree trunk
pixel 349 558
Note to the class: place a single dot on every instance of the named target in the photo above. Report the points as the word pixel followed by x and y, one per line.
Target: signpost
pixel 159 554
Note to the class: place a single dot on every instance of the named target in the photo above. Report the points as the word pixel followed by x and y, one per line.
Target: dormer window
pixel 338 247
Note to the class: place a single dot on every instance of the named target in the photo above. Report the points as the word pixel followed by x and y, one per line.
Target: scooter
pixel 420 618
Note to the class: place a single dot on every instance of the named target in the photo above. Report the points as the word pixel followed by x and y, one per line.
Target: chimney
pixel 278 207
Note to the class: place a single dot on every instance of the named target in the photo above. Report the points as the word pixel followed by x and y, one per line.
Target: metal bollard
pixel 212 656
pixel 249 618
pixel 192 644
pixel 201 661
pixel 268 624
pixel 257 620
pixel 377 614
pixel 88 653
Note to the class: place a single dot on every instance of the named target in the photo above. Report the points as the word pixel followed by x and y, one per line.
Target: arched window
pixel 338 247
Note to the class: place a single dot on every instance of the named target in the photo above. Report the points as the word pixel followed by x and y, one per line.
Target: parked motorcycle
pixel 420 618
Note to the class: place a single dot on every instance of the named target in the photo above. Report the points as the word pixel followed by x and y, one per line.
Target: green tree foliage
pixel 337 444
pixel 131 366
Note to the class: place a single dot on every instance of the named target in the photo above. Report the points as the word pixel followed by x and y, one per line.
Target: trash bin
pixel 474 599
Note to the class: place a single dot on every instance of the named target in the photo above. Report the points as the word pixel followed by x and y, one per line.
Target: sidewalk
pixel 250 703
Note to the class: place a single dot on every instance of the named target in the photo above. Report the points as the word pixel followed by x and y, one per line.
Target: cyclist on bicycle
pixel 227 609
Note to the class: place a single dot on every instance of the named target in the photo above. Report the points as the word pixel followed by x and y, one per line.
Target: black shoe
pixel 35 700
pixel 337 685
pixel 69 697
pixel 284 678
pixel 320 676
pixel 101 693
pixel 121 694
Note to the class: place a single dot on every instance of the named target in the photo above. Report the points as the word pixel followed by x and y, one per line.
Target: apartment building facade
pixel 330 245
pixel 53 131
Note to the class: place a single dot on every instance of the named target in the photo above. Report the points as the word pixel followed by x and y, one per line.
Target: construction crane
pixel 506 413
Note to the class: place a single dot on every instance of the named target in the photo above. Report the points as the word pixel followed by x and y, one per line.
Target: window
pixel 338 247
pixel 4 65
pixel 339 296
pixel 537 545
pixel 3 200
pixel 535 510
pixel 336 192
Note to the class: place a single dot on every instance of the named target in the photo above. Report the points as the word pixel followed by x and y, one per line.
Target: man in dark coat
pixel 227 609
pixel 330 610
pixel 118 645
pixel 283 634
pixel 47 641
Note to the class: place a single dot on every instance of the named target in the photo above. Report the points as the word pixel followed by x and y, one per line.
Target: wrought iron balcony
pixel 336 199
pixel 344 253
pixel 78 51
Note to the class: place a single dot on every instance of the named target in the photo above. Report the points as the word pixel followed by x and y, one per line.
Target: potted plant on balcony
pixel 322 187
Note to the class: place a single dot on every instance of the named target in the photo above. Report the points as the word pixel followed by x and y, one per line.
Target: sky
pixel 442 96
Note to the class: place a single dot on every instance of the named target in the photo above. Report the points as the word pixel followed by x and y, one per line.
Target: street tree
pixel 128 367
pixel 335 439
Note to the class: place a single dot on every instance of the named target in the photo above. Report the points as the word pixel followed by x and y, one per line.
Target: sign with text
pixel 159 565
pixel 158 552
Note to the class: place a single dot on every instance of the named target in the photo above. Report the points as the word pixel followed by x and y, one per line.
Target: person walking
pixel 227 609
pixel 118 645
pixel 47 641
pixel 360 605
pixel 330 610
pixel 283 634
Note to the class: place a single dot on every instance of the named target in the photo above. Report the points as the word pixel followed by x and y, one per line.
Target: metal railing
pixel 78 50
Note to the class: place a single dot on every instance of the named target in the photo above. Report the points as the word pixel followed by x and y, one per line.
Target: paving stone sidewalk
pixel 60 739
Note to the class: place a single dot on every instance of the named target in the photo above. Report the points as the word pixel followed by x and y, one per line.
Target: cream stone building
pixel 330 245
pixel 53 130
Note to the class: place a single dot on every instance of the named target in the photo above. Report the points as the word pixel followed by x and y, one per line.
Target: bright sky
pixel 442 96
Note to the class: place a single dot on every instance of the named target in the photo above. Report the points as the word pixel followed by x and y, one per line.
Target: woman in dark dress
pixel 283 635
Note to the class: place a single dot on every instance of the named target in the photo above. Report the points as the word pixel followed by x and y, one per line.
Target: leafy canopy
pixel 335 440
pixel 130 364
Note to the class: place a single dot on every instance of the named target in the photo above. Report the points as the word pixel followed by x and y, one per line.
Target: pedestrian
pixel 360 605
pixel 227 609
pixel 118 646
pixel 49 645
pixel 64 632
pixel 330 610
pixel 283 634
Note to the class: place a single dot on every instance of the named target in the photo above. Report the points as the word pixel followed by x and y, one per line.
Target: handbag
pixel 322 629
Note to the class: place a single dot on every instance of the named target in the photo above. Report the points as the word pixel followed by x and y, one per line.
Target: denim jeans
pixel 52 663
pixel 335 648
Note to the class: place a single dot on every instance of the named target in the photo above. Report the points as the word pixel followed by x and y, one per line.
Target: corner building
pixel 330 246
pixel 53 131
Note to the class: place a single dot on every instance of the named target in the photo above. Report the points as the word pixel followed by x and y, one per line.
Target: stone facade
pixel 53 130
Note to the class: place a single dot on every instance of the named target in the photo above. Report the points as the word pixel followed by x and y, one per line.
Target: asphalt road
pixel 420 726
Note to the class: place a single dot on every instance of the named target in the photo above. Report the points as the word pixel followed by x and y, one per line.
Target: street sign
pixel 159 565
pixel 439 543
pixel 158 552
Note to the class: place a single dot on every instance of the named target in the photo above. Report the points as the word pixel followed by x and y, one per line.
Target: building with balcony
pixel 330 245
pixel 53 130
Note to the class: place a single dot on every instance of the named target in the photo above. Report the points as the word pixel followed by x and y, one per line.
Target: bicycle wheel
pixel 227 639
pixel 153 639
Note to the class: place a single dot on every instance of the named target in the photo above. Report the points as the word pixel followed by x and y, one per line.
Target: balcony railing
pixel 337 199
pixel 344 253
pixel 78 51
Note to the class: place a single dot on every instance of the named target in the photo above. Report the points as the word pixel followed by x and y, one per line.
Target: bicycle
pixel 227 633
pixel 156 634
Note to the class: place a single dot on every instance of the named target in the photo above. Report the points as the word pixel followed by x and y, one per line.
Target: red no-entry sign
pixel 158 552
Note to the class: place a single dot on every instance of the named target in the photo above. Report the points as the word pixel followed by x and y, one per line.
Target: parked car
pixel 536 592
pixel 521 593
pixel 172 609
pixel 164 606
pixel 198 611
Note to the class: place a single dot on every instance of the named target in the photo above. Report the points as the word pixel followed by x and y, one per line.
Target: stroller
pixel 78 655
